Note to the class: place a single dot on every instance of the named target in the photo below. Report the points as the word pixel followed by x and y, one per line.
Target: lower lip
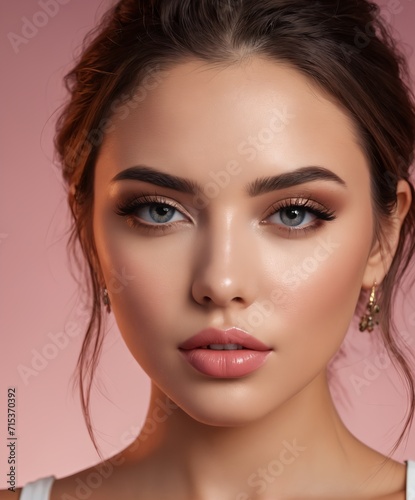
pixel 225 363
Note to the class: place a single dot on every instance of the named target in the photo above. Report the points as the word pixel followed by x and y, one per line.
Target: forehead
pixel 196 113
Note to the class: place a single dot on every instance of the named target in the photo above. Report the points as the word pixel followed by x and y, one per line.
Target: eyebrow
pixel 259 186
pixel 293 178
pixel 154 176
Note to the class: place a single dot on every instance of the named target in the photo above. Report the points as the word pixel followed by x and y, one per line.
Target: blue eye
pixel 295 216
pixel 299 214
pixel 156 212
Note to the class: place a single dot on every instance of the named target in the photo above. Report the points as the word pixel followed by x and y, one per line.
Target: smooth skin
pixel 229 259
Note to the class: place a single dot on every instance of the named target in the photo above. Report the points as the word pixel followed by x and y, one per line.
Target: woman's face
pixel 276 241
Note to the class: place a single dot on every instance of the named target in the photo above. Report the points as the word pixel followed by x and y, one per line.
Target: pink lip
pixel 224 363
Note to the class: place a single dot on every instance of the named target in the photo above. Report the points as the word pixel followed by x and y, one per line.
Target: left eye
pixel 294 216
pixel 158 212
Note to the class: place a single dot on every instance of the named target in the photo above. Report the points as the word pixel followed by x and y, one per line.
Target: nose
pixel 226 272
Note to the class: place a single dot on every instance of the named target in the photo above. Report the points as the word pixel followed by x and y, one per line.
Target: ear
pixel 382 253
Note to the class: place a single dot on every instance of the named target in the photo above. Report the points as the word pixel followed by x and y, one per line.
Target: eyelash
pixel 127 208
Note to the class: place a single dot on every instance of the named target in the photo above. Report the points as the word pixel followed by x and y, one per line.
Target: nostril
pixel 206 298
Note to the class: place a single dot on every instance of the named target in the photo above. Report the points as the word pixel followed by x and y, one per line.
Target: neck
pixel 291 451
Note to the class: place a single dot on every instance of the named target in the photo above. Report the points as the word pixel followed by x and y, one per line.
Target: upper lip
pixel 230 336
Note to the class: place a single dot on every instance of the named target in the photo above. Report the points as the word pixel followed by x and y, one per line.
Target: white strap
pixel 410 480
pixel 37 490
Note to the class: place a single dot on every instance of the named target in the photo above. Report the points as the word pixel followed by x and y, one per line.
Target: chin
pixel 227 408
pixel 221 418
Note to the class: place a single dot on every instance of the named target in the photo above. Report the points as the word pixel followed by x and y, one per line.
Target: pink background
pixel 40 300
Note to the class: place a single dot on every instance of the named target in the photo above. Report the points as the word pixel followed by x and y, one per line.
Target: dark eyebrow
pixel 289 179
pixel 154 176
pixel 259 186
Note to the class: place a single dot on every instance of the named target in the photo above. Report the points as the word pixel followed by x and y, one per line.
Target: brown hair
pixel 343 46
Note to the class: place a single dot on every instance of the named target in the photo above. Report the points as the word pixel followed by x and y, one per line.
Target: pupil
pixel 292 213
pixel 162 211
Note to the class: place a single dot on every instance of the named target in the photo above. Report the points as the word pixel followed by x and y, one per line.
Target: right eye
pixel 153 210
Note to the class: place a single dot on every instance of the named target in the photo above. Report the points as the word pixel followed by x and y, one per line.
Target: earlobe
pixel 376 266
pixel 382 253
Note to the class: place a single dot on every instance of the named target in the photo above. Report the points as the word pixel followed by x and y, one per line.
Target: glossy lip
pixel 233 363
pixel 230 336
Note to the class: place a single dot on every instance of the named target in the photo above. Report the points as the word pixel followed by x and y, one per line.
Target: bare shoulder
pixel 103 481
pixel 400 494
pixel 10 495
pixel 121 476
pixel 390 480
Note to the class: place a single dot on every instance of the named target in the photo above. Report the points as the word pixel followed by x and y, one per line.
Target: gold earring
pixel 106 300
pixel 369 320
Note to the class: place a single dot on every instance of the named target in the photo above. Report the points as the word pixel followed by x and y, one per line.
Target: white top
pixel 37 490
pixel 410 480
pixel 40 489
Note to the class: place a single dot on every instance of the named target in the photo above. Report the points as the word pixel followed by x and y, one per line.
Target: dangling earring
pixel 106 300
pixel 369 320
